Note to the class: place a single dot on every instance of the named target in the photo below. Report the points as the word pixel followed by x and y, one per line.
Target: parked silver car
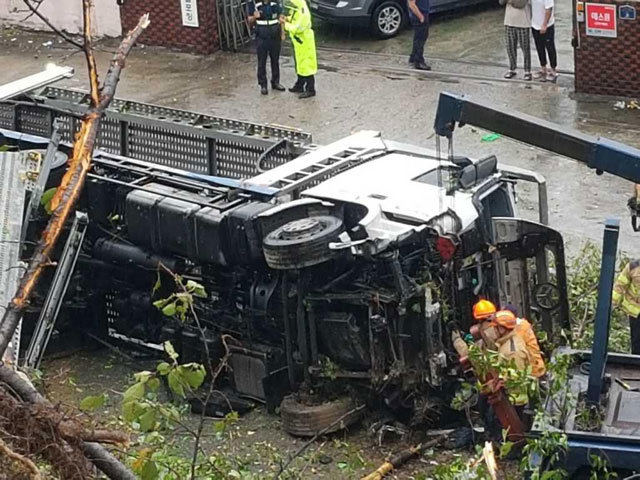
pixel 385 18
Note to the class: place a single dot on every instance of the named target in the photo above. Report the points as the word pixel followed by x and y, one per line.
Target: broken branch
pixel 63 202
pixel 96 454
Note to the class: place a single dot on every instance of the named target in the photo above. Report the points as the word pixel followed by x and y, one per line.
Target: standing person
pixel 626 293
pixel 298 25
pixel 419 16
pixel 543 29
pixel 517 23
pixel 265 15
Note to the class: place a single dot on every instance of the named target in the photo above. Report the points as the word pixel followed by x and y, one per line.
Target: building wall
pixel 166 28
pixel 609 66
pixel 65 15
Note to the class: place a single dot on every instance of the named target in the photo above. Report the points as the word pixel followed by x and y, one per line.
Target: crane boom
pixel 601 154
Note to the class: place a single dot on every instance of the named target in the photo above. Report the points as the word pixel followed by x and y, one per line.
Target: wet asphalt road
pixel 375 90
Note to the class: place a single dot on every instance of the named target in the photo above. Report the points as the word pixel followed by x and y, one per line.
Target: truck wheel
pixel 301 243
pixel 303 420
pixel 387 19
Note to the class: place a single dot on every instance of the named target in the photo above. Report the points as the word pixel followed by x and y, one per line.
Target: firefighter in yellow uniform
pixel 298 25
pixel 626 294
pixel 524 329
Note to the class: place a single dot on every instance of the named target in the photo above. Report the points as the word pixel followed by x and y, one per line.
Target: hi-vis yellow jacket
pixel 626 291
pixel 298 26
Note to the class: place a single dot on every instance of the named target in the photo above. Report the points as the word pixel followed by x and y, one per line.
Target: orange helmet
pixel 504 318
pixel 483 309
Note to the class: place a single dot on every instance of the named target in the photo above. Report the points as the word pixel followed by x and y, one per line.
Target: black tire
pixel 387 19
pixel 301 243
pixel 303 420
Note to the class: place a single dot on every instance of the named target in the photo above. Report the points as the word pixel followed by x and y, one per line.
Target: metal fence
pixel 176 138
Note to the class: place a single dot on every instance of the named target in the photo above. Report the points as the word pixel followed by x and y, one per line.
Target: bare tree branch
pixel 66 196
pixel 61 34
pixel 94 88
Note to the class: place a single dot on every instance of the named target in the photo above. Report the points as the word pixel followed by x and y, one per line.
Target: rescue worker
pixel 512 347
pixel 508 321
pixel 297 24
pixel 266 14
pixel 483 310
pixel 626 294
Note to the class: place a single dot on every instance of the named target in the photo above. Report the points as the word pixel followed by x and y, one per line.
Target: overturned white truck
pixel 341 269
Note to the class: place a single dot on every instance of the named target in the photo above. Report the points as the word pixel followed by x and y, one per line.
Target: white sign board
pixel 190 13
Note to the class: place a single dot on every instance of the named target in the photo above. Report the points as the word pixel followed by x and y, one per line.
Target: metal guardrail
pixel 176 138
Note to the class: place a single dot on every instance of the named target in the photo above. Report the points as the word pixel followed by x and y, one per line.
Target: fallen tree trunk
pixel 68 192
pixel 95 453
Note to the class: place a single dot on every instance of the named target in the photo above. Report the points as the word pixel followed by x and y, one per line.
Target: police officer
pixel 265 15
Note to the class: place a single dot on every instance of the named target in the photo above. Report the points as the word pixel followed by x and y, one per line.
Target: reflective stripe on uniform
pixel 267 22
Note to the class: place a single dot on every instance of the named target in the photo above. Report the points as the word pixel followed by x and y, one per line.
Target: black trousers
pixel 268 47
pixel 420 35
pixel 634 325
pixel 546 44
pixel 307 83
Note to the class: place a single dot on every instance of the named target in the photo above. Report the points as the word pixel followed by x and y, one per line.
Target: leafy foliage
pixel 583 275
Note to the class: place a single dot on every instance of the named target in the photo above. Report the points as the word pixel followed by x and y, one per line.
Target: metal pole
pixel 287 329
pixel 603 311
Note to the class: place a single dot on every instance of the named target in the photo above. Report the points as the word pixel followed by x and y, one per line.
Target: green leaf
pixel 193 374
pixel 93 402
pixel 134 392
pixel 153 384
pixel 46 198
pixel 158 284
pixel 176 383
pixel 132 410
pixel 168 347
pixel 342 465
pixel 143 377
pixel 149 471
pixel 163 368
pixel 147 420
pixel 196 289
pixel 169 310
pixel 160 303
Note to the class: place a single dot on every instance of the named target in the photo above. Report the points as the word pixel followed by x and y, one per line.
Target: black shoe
pixel 411 61
pixel 264 90
pixel 307 94
pixel 278 87
pixel 422 66
pixel 296 89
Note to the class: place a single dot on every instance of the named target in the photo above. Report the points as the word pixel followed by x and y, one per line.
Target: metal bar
pixel 288 346
pixel 124 138
pixel 49 75
pixel 301 322
pixel 603 311
pixel 601 154
pixel 212 157
pixel 518 173
pixel 313 335
pixel 57 291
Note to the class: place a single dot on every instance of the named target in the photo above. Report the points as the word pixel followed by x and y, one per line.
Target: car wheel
pixel 301 243
pixel 387 19
pixel 303 420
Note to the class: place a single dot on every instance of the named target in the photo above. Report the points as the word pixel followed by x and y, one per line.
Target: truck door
pixel 533 276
